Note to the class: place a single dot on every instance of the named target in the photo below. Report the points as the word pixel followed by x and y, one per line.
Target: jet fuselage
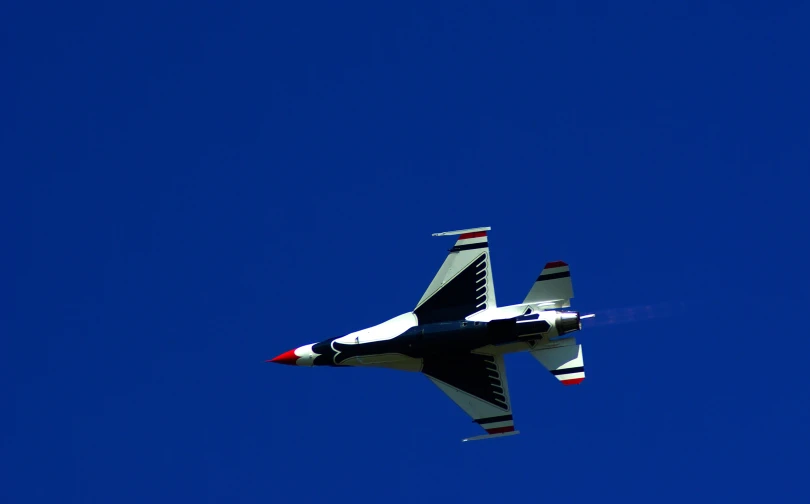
pixel 403 343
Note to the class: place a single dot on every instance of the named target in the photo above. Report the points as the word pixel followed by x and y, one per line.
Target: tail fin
pixel 564 362
pixel 553 286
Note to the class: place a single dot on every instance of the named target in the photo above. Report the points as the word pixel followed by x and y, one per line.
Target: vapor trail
pixel 639 313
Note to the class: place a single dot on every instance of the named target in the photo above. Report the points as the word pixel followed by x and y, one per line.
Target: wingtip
pixel 490 436
pixel 462 231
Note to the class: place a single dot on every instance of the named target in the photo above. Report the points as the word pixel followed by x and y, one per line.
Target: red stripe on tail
pixel 477 234
pixel 498 430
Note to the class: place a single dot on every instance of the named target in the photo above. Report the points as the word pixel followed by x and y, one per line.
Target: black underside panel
pixel 474 374
pixel 458 298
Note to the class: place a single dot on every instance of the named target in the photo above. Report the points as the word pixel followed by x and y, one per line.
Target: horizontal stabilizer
pixel 564 362
pixel 553 287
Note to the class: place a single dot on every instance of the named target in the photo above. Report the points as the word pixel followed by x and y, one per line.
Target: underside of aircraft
pixel 457 335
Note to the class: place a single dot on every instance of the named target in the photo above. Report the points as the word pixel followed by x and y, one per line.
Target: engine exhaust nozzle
pixel 568 322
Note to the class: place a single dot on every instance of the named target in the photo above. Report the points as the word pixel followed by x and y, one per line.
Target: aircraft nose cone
pixel 301 356
pixel 288 357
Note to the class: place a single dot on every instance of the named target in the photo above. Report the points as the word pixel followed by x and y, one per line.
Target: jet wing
pixel 463 284
pixel 477 383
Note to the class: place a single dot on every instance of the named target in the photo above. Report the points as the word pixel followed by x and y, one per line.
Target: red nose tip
pixel 285 358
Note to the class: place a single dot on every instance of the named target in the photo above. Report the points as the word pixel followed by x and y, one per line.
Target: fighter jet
pixel 457 335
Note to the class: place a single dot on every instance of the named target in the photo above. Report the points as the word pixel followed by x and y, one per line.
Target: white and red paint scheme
pixel 457 335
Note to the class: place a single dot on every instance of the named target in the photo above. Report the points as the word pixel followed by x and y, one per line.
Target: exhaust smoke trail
pixel 639 313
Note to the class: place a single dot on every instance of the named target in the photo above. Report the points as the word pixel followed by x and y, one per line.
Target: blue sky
pixel 190 188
